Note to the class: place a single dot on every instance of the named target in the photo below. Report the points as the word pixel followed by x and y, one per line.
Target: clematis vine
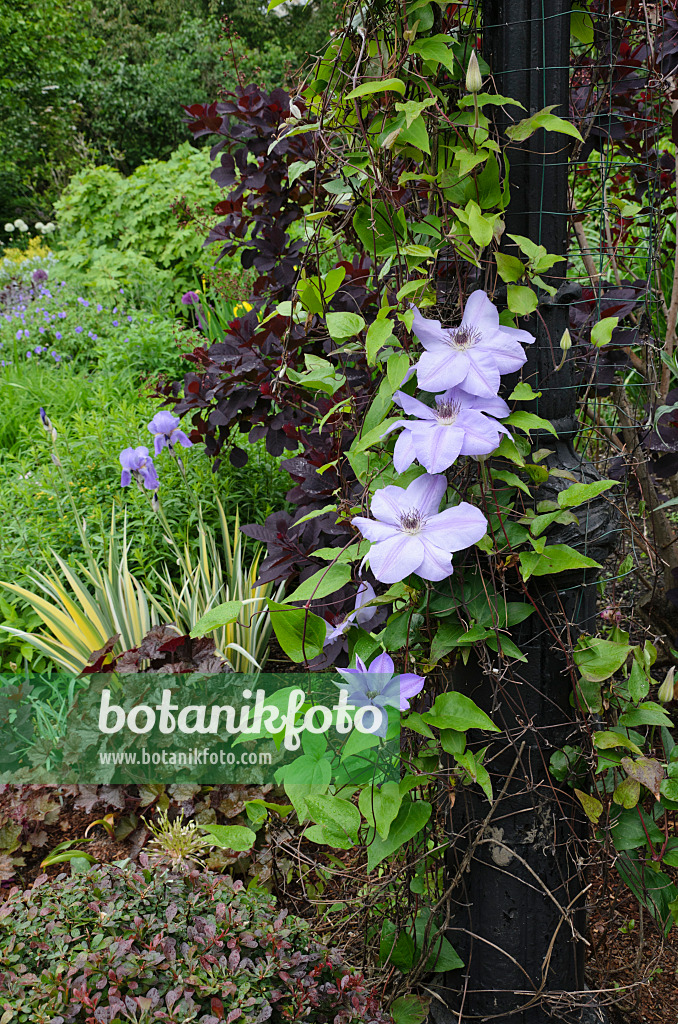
pixel 456 425
pixel 165 429
pixel 410 535
pixel 472 355
pixel 137 464
pixel 360 615
pixel 377 687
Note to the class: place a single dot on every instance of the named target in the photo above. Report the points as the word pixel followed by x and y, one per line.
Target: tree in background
pixel 43 50
pixel 104 82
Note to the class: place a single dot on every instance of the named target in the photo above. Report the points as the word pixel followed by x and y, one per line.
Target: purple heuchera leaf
pixel 165 428
pixel 409 535
pixel 456 425
pixel 377 687
pixel 137 463
pixel 359 615
pixel 474 355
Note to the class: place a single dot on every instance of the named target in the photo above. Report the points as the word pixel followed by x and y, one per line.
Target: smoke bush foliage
pixel 119 943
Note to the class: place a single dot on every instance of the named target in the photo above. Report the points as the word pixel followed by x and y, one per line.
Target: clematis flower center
pixel 372 694
pixel 411 521
pixel 462 338
pixel 447 412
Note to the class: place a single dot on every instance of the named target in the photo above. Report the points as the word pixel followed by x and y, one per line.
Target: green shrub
pixel 119 943
pixel 123 232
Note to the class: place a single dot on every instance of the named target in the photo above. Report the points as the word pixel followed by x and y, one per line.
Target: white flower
pixel 39 225
pixel 9 226
pixel 21 224
pixel 50 227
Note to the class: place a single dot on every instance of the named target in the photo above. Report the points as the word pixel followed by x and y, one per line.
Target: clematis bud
pixel 474 80
pixel 566 341
pixel 665 693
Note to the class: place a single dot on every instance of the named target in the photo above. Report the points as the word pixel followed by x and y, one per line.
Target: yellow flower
pixel 241 307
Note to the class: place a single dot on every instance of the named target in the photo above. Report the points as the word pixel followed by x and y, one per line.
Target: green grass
pixel 96 415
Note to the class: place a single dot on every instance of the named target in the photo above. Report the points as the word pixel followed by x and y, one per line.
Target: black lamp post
pixel 518 914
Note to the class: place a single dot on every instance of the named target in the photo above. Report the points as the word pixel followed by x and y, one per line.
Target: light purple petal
pixel 125 478
pixel 491 404
pixel 383 665
pixel 507 353
pixel 365 593
pixel 401 689
pixel 394 559
pixel 518 334
pixel 163 423
pixel 436 564
pixel 439 447
pixel 159 443
pixel 429 332
pixel 425 493
pixel 404 453
pixel 455 528
pixel 387 505
pixel 178 435
pixel 481 434
pixel 413 407
pixel 483 376
pixel 375 531
pixel 442 369
pixel 480 313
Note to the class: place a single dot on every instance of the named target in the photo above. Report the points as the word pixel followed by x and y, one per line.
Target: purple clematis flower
pixel 376 687
pixel 408 534
pixel 137 463
pixel 474 355
pixel 359 614
pixel 165 428
pixel 456 425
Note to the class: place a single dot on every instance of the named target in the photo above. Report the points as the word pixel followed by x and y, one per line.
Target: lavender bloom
pixel 408 534
pixel 376 687
pixel 99 307
pixel 456 425
pixel 115 323
pixel 474 355
pixel 58 335
pixel 78 330
pixel 359 614
pixel 137 463
pixel 165 429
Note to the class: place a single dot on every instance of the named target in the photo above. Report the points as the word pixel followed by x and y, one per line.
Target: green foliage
pixel 42 48
pixel 136 84
pixel 117 231
pixel 106 920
